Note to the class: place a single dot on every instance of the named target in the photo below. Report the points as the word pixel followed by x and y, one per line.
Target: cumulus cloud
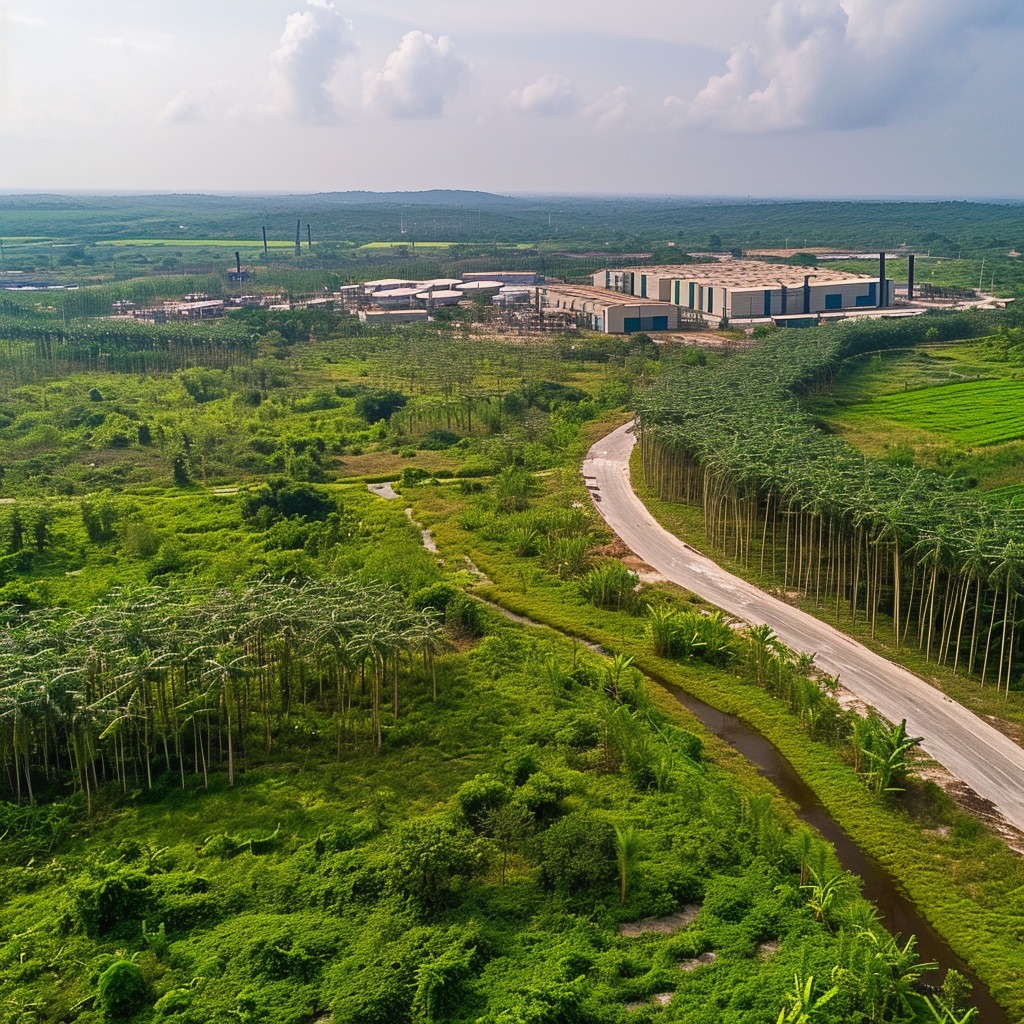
pixel 187 108
pixel 845 64
pixel 416 80
pixel 549 96
pixel 612 108
pixel 312 47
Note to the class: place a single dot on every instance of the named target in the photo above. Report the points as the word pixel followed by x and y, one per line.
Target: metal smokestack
pixel 309 237
pixel 238 264
pixel 910 278
pixel 266 251
pixel 298 238
pixel 881 280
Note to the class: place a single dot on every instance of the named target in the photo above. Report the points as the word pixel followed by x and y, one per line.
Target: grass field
pixel 435 245
pixel 979 412
pixel 197 242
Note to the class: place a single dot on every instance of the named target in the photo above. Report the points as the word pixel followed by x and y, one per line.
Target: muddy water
pixel 898 913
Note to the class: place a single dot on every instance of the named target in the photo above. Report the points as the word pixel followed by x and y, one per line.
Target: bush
pixel 579 858
pixel 467 615
pixel 281 497
pixel 122 990
pixel 438 596
pixel 611 585
pixel 481 795
pixel 430 855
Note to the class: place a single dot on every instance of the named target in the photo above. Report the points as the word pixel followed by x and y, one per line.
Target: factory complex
pixel 744 289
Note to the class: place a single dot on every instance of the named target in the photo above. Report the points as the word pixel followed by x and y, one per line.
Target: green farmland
pixel 199 243
pixel 979 412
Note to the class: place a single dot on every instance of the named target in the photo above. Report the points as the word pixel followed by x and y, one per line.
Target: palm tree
pixel 627 850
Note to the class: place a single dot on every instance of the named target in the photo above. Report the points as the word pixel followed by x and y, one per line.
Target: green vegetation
pixel 267 760
pixel 869 536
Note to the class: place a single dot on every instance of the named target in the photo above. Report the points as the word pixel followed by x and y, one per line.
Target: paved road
pixel 991 764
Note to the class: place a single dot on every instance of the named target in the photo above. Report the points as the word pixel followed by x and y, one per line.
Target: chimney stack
pixel 266 251
pixel 298 238
pixel 910 278
pixel 309 237
pixel 238 263
pixel 881 281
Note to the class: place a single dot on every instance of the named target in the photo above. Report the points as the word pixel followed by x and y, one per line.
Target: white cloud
pixel 312 47
pixel 24 20
pixel 610 109
pixel 826 64
pixel 417 78
pixel 138 42
pixel 549 96
pixel 186 108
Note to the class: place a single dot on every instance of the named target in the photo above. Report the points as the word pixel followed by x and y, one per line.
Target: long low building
pixel 600 311
pixel 748 289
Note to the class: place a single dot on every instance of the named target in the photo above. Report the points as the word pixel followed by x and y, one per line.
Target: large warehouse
pixel 748 289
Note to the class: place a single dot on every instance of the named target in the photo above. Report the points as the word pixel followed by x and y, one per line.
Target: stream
pixel 896 911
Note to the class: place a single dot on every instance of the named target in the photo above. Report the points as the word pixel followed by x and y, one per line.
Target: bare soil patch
pixel 660 925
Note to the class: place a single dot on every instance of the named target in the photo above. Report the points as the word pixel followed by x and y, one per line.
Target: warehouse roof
pixel 749 274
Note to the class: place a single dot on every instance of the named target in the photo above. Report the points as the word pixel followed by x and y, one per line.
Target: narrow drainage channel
pixel 897 912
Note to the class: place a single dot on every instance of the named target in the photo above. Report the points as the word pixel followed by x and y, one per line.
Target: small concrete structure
pixel 379 317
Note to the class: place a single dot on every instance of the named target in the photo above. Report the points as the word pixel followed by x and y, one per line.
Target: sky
pixel 683 97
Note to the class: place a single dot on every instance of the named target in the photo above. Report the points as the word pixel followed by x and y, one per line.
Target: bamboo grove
pixel 176 681
pixel 944 567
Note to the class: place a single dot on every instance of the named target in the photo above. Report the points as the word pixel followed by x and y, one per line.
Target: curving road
pixel 981 756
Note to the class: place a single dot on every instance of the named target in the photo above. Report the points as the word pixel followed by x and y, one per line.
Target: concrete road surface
pixel 991 764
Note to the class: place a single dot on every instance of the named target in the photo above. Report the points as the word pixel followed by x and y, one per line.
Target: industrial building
pixel 598 310
pixel 738 289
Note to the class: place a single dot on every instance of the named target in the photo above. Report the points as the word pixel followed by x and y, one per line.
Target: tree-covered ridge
pixel 829 522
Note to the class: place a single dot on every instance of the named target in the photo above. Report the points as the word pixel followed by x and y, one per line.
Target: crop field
pixel 980 412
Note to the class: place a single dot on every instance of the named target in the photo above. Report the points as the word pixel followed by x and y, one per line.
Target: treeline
pixel 170 681
pixel 36 344
pixel 824 520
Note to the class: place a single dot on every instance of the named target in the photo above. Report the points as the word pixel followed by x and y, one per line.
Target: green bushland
pixel 918 835
pixel 467 872
pixel 488 840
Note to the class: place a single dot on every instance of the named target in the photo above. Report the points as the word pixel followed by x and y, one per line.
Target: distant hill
pixel 432 197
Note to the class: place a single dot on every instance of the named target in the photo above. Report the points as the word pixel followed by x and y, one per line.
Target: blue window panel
pixel 833 302
pixel 767 302
pixel 643 286
pixel 659 323
pixel 631 324
pixel 693 289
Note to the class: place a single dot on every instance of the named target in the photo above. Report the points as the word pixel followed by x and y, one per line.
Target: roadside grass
pixel 971 890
